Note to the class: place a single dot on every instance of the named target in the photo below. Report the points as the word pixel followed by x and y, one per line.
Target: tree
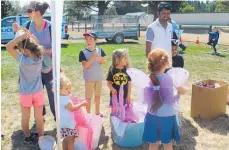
pixel 176 5
pixel 111 11
pixel 100 5
pixel 222 6
pixel 6 8
pixel 123 7
pixel 74 10
pixel 188 8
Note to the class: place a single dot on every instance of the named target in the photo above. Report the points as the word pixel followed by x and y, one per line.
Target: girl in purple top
pixel 160 121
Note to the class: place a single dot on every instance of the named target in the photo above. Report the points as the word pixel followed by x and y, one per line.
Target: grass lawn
pixel 196 134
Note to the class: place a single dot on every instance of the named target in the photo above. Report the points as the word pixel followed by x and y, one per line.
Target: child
pixel 92 58
pixel 178 60
pixel 160 122
pixel 117 75
pixel 16 28
pixel 214 37
pixel 67 122
pixel 30 83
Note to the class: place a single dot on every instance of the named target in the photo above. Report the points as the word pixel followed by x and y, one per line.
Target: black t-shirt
pixel 178 61
pixel 118 77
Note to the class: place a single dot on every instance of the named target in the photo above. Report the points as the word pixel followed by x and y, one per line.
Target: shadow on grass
pixel 128 42
pixel 17 139
pixel 64 45
pixel 187 133
pixel 219 126
pixel 220 54
pixel 3 47
pixel 103 140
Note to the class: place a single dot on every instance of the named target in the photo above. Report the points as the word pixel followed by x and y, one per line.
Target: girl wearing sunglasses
pixel 41 29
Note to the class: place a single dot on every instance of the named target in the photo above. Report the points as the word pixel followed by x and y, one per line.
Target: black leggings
pixel 47 79
pixel 213 44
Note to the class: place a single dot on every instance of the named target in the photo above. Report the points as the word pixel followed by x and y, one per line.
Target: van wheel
pixel 118 38
pixel 109 40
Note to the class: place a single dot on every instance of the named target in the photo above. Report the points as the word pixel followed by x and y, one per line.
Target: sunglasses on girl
pixel 30 10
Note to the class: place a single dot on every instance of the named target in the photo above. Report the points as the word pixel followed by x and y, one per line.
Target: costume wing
pixel 139 78
pixel 178 75
pixel 167 92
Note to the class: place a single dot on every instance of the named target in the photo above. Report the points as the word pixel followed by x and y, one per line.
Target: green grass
pixel 200 65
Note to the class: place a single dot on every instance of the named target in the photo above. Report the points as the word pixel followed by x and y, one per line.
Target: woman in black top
pixel 178 60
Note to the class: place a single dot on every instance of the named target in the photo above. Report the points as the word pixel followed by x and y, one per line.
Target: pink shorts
pixel 35 99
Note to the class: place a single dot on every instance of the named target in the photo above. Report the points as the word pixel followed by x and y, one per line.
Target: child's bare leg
pixel 65 144
pixel 88 107
pixel 153 146
pixel 168 146
pixel 97 105
pixel 39 119
pixel 25 120
pixel 70 143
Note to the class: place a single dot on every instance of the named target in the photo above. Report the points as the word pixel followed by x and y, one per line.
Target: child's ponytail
pixel 157 59
pixel 31 45
pixel 157 101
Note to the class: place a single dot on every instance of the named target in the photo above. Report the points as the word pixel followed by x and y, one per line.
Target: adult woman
pixel 41 29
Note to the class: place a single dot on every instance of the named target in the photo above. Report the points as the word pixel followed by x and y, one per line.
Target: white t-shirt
pixel 66 116
pixel 160 37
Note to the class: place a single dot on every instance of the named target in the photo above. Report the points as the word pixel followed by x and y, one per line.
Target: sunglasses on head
pixel 165 6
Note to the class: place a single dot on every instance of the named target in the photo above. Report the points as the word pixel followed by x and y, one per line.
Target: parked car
pixel 8 34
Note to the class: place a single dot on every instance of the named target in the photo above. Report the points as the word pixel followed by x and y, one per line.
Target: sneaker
pixel 27 140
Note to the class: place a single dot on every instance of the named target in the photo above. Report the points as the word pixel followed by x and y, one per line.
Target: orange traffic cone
pixel 197 40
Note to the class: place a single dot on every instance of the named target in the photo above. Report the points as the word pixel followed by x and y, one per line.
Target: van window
pixel 8 22
pixel 23 20
pixel 47 18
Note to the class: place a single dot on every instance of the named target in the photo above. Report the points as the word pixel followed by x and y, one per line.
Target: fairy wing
pixel 167 92
pixel 139 78
pixel 178 75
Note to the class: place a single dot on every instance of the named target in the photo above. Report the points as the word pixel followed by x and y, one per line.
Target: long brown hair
pixel 157 59
pixel 31 45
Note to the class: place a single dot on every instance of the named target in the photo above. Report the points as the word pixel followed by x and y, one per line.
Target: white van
pixel 7 33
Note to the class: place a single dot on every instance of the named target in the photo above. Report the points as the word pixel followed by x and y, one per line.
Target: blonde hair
pixel 118 55
pixel 64 81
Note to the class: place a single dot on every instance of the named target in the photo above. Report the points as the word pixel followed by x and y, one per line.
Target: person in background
pixel 178 60
pixel 92 59
pixel 214 37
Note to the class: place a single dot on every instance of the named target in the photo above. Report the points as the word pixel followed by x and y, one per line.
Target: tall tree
pixel 222 6
pixel 6 8
pixel 176 5
pixel 123 7
pixel 100 5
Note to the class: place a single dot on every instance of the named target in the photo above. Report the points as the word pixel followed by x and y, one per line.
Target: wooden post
pixel 78 26
pixel 139 29
pixel 72 26
pixel 85 26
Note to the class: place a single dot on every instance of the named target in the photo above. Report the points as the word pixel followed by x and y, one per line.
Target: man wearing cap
pixel 159 33
pixel 92 58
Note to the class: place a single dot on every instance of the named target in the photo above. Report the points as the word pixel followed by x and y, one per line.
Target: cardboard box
pixel 209 103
